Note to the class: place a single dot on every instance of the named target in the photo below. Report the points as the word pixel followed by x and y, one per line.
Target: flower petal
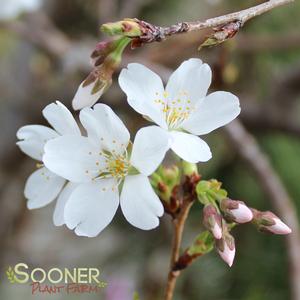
pixel 190 147
pixel 104 127
pixel 58 215
pixel 149 148
pixel 74 158
pixel 191 80
pixel 91 207
pixel 33 139
pixel 142 87
pixel 61 119
pixel 84 96
pixel 141 206
pixel 42 187
pixel 212 112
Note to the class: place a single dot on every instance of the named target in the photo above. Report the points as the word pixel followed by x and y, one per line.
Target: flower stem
pixel 178 226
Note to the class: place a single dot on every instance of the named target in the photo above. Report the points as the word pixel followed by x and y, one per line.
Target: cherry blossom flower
pixel 43 186
pixel 182 109
pixel 107 173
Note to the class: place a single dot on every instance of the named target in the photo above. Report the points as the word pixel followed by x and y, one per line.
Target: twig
pixel 249 150
pixel 157 33
pixel 178 225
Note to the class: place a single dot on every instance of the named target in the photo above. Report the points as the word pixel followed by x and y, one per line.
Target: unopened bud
pixel 212 220
pixel 100 79
pixel 226 248
pixel 101 51
pixel 170 175
pixel 165 182
pixel 189 169
pixel 126 27
pixel 211 190
pixel 236 211
pixel 266 221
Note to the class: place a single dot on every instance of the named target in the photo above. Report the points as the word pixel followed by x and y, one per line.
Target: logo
pixel 56 280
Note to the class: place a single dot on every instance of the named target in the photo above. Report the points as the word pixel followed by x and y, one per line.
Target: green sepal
pixel 126 27
pixel 133 171
pixel 203 244
pixel 210 191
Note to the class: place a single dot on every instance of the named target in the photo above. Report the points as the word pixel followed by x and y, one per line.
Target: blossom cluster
pixel 90 174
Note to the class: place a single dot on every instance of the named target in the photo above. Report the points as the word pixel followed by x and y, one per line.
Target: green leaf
pixel 10 274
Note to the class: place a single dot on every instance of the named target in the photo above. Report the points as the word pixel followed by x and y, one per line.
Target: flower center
pixel 116 165
pixel 175 111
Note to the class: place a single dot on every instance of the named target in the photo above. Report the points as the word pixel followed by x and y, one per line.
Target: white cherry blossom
pixel 43 186
pixel 181 109
pixel 106 173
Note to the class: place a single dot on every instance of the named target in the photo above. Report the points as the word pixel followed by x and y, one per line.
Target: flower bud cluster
pixel 221 214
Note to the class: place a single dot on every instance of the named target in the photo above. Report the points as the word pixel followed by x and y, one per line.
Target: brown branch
pixel 178 226
pixel 249 150
pixel 243 16
pixel 157 33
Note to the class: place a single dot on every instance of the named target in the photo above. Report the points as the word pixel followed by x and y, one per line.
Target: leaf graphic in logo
pixel 102 284
pixel 11 275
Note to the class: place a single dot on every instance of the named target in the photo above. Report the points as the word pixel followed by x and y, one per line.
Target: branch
pixel 243 16
pixel 249 150
pixel 156 33
pixel 178 225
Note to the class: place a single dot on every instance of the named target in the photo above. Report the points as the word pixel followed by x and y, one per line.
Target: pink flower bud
pixel 217 231
pixel 236 211
pixel 226 248
pixel 106 59
pixel 212 220
pixel 279 227
pixel 101 51
pixel 266 221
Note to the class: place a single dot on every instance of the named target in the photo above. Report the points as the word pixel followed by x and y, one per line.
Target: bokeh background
pixel 44 55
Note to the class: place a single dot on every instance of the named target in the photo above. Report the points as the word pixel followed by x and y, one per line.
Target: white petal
pixel 149 148
pixel 104 127
pixel 42 187
pixel 242 214
pixel 33 139
pixel 58 215
pixel 227 255
pixel 217 231
pixel 140 205
pixel 84 97
pixel 142 87
pixel 190 147
pixel 61 119
pixel 90 208
pixel 212 112
pixel 192 78
pixel 279 227
pixel 73 157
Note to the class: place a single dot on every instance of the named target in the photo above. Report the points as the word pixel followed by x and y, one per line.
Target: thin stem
pixel 178 226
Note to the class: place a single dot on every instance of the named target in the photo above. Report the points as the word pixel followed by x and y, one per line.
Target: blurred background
pixel 44 55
